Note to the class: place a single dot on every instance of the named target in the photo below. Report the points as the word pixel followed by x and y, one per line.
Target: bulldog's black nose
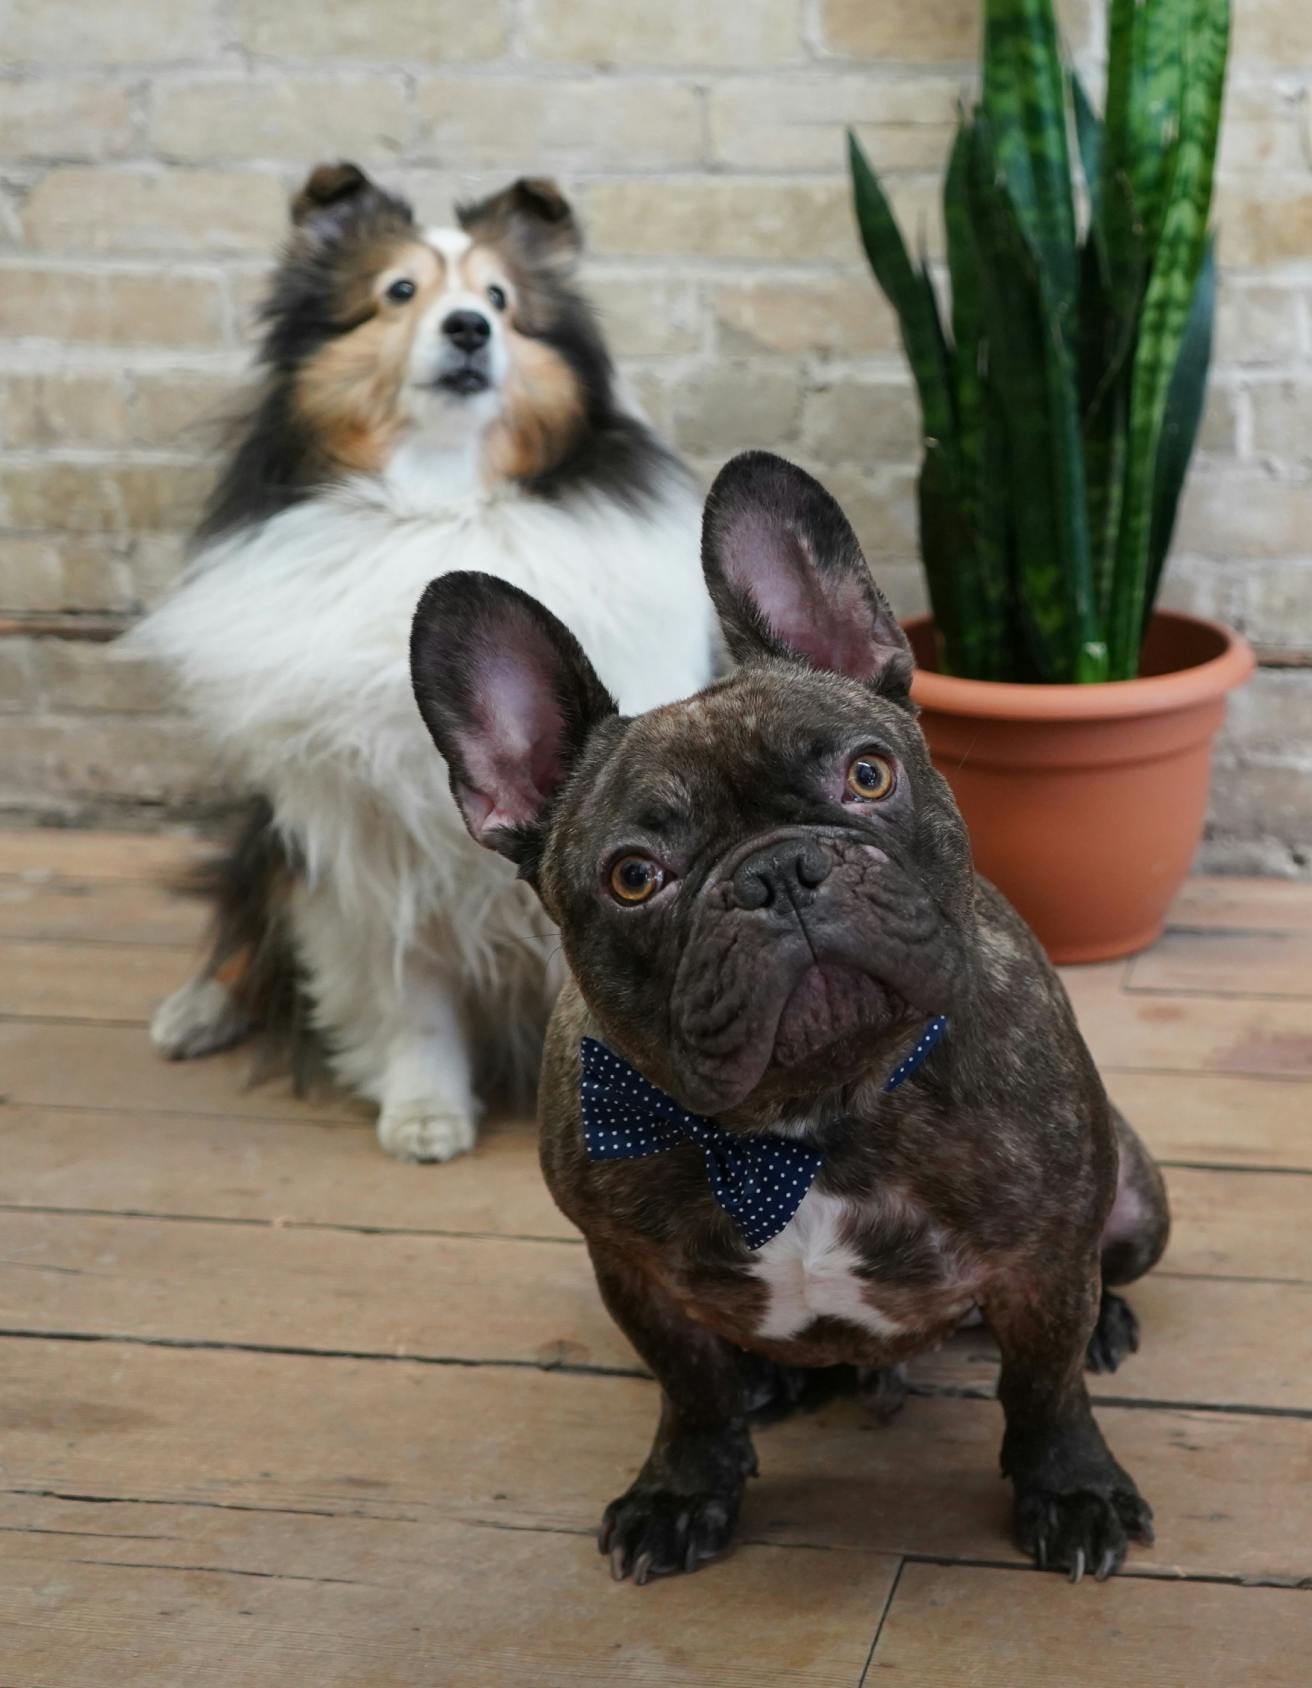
pixel 771 874
pixel 467 329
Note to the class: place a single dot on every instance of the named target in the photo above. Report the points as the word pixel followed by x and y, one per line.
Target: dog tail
pixel 251 953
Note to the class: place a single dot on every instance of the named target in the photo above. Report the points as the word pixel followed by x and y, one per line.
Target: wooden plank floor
pixel 275 1410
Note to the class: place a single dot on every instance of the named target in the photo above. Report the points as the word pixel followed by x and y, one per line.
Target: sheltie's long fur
pixel 432 400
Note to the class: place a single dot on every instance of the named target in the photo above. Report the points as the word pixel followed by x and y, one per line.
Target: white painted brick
pixel 281 117
pixel 866 422
pixel 56 573
pixel 842 315
pixel 65 119
pixel 734 407
pixel 649 315
pixel 535 124
pixel 404 32
pixel 110 759
pixel 1282 422
pixel 87 210
pixel 799 122
pixel 88 32
pixel 676 32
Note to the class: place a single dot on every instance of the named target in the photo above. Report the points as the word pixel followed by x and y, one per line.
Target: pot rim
pixel 1183 688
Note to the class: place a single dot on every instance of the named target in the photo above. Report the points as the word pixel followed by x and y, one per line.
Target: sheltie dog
pixel 432 400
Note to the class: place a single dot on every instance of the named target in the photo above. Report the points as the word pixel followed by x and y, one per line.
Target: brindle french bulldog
pixel 766 899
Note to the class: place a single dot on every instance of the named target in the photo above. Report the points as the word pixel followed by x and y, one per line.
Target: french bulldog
pixel 812 1093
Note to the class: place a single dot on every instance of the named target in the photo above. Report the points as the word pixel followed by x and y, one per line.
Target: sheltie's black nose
pixel 467 329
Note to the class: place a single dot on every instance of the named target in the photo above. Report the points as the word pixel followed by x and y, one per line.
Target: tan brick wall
pixel 146 153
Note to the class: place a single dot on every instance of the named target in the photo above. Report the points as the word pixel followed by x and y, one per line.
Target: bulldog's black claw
pixel 1073 1532
pixel 1135 1514
pixel 1115 1335
pixel 657 1533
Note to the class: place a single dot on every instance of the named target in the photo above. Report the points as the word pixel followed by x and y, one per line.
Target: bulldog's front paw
pixel 424 1131
pixel 1088 1530
pixel 652 1532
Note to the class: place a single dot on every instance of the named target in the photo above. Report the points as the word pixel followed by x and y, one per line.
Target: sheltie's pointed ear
pixel 334 195
pixel 510 699
pixel 326 186
pixel 533 216
pixel 787 577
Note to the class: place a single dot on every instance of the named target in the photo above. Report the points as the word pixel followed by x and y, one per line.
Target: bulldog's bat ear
pixel 509 698
pixel 787 576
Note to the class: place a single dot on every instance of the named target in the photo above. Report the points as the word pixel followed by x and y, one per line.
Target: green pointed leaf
pixel 1033 372
pixel 1145 78
pixel 922 333
pixel 1167 305
pixel 978 645
pixel 1088 133
pixel 963 260
pixel 1184 413
pixel 1025 103
pixel 1104 403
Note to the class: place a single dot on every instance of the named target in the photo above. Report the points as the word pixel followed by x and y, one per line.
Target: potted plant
pixel 1060 399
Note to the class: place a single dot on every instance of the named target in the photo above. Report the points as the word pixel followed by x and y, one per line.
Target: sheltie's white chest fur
pixel 291 642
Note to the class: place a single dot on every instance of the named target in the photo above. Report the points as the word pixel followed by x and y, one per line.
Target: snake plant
pixel 1061 397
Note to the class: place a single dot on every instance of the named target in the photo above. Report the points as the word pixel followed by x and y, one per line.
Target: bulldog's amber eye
pixel 870 777
pixel 635 878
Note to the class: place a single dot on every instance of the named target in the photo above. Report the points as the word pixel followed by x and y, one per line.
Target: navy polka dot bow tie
pixel 759 1180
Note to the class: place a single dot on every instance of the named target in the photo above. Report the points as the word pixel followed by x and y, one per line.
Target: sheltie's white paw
pixel 199 1019
pixel 425 1131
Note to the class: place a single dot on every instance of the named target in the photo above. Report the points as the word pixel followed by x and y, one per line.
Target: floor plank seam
pixel 360 1121
pixel 1209 932
pixel 1284 1076
pixel 975 1562
pixel 1198 994
pixel 883 1619
pixel 210 1345
pixel 81 1535
pixel 77 1499
pixel 48 880
pixel 94 1021
pixel 1144 1403
pixel 1235 1166
pixel 1227 1278
pixel 1132 1572
pixel 220 1570
pixel 61 940
pixel 151 1217
pixel 925 1391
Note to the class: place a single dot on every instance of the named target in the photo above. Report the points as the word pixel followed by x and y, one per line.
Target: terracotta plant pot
pixel 1086 803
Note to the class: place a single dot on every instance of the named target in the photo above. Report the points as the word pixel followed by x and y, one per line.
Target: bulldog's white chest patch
pixel 811 1273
